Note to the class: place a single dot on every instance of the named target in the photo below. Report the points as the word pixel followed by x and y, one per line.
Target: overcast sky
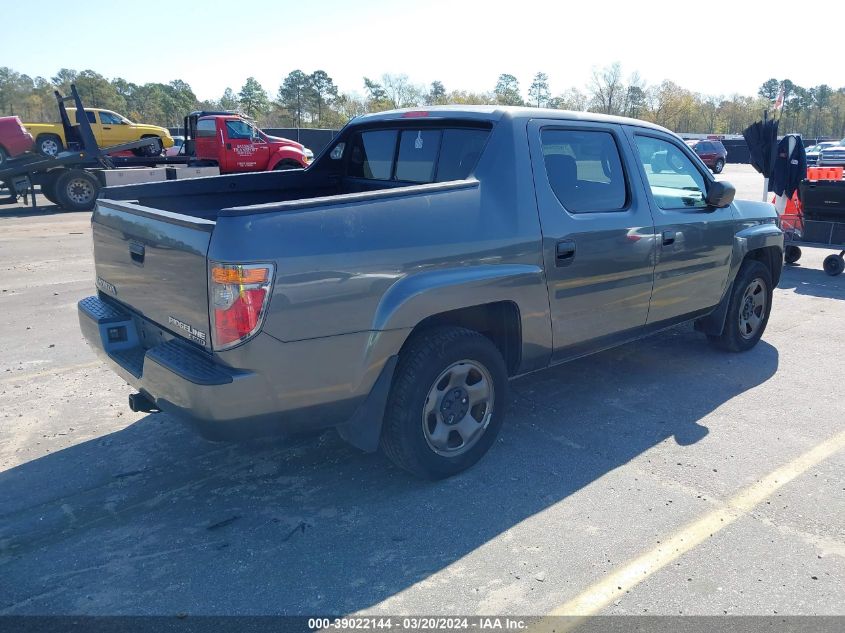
pixel 715 48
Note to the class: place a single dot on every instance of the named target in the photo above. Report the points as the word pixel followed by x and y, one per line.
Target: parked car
pixel 833 156
pixel 178 146
pixel 235 144
pixel 713 153
pixel 813 151
pixel 109 129
pixel 14 138
pixel 394 287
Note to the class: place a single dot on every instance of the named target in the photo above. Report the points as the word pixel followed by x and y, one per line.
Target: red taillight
pixel 239 295
pixel 241 318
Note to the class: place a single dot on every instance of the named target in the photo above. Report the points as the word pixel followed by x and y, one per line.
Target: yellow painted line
pixel 613 586
pixel 56 371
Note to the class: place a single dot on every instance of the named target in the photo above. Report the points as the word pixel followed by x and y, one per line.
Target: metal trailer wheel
pixel 834 264
pixel 76 190
pixel 791 254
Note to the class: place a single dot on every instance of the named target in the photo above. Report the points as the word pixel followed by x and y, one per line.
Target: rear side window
pixel 206 128
pixel 585 170
pixel 459 152
pixel 416 155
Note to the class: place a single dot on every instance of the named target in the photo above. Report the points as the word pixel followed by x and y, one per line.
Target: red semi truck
pixel 235 144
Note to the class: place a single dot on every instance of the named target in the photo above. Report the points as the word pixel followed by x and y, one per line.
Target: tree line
pixel 314 100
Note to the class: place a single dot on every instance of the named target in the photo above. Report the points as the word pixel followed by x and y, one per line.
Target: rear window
pixel 206 128
pixel 416 155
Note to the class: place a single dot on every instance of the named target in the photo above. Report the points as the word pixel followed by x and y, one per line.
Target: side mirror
pixel 720 194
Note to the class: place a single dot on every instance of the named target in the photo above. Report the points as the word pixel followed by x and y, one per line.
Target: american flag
pixel 779 99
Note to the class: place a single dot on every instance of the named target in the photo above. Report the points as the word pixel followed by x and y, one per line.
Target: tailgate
pixel 154 262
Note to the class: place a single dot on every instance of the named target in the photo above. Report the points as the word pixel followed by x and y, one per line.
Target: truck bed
pixel 208 198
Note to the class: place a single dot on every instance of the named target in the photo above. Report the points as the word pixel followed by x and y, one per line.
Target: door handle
pixel 137 252
pixel 228 146
pixel 106 128
pixel 668 237
pixel 564 252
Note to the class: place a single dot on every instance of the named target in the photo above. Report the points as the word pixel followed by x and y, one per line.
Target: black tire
pixel 792 254
pixel 733 338
pixel 48 187
pixel 719 166
pixel 424 361
pixel 76 190
pixel 286 164
pixel 3 156
pixel 833 265
pixel 149 150
pixel 49 145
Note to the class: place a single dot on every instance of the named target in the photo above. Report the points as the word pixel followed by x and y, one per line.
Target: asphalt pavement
pixel 662 477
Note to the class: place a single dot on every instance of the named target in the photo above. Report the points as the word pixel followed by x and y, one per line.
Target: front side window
pixel 674 180
pixel 110 118
pixel 239 130
pixel 585 170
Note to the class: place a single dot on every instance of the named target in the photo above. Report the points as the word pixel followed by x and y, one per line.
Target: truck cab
pixel 236 144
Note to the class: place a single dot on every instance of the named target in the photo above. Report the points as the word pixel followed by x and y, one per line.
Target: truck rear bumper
pixel 221 402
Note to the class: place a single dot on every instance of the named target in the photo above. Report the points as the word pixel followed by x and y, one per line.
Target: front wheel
pixel 3 157
pixel 49 145
pixel 719 166
pixel 748 310
pixel 446 404
pixel 791 254
pixel 284 165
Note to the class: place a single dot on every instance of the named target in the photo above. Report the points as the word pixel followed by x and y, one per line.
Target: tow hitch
pixel 140 403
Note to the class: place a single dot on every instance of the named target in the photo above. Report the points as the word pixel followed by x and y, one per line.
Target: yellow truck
pixel 109 129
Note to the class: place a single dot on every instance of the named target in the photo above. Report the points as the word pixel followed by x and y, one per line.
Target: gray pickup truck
pixel 391 289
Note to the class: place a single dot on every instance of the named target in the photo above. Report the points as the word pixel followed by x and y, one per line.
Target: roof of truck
pixel 497 112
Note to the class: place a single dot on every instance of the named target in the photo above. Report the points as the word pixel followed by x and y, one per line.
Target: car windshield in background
pixel 420 155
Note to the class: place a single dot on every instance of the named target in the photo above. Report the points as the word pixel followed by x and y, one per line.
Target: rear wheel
pixel 3 157
pixel 76 190
pixel 834 265
pixel 748 310
pixel 446 404
pixel 792 254
pixel 719 166
pixel 49 145
pixel 48 187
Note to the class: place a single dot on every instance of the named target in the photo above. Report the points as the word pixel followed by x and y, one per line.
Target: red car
pixel 14 139
pixel 712 153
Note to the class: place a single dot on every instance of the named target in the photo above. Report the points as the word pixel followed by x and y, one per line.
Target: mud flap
pixel 363 430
